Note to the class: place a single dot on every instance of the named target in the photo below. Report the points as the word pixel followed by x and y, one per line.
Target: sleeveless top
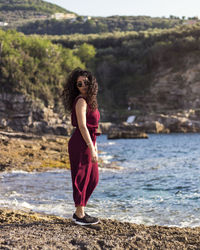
pixel 92 119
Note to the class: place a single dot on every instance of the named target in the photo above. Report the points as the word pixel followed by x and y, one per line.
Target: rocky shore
pixel 29 230
pixel 185 121
pixel 30 152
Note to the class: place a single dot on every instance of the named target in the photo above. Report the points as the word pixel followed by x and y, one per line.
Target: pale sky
pixel 154 8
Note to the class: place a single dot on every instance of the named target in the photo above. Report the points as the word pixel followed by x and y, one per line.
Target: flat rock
pixel 122 134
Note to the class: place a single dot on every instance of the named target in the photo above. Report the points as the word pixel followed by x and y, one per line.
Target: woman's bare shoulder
pixel 81 102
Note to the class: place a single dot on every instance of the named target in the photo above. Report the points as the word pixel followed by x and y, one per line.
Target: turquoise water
pixel 159 183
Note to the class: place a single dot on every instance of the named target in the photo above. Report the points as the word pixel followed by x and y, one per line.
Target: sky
pixel 153 8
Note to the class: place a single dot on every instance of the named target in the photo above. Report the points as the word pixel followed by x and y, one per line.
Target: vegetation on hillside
pixel 33 5
pixel 123 62
pixel 19 12
pixel 98 25
pixel 36 67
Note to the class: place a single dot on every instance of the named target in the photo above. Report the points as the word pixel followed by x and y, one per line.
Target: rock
pixel 7 135
pixel 3 123
pixel 104 127
pixel 125 130
pixel 20 113
pixel 126 135
pixel 154 127
pixel 61 130
pixel 28 152
pixel 172 122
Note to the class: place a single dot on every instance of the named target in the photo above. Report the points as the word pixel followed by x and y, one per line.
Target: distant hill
pixel 35 17
pixel 18 12
pixel 94 25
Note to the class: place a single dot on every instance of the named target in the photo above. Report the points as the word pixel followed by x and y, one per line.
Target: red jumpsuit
pixel 84 172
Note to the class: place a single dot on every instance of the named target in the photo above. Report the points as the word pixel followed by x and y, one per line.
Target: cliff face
pixel 18 112
pixel 172 103
pixel 172 89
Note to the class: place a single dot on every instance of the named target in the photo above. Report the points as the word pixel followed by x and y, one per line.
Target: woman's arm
pixel 81 109
pixel 96 147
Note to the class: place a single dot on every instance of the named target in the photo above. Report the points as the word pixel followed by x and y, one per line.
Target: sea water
pixel 159 183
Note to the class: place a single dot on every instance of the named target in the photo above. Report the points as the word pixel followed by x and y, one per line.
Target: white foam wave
pixel 106 158
pixel 102 169
pixel 104 144
pixel 16 204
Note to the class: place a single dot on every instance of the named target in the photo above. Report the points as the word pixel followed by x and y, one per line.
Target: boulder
pixel 126 131
pixel 154 127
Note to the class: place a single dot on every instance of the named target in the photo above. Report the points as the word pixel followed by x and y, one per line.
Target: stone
pixel 3 123
pixel 60 130
pixel 155 127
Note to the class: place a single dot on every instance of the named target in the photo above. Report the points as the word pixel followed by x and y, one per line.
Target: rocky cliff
pixel 172 89
pixel 18 112
pixel 172 103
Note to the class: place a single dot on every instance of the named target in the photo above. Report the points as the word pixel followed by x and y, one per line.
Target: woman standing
pixel 80 97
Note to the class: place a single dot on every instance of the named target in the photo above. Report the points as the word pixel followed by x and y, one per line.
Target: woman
pixel 80 97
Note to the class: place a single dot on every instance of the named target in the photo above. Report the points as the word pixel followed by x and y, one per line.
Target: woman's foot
pixel 86 220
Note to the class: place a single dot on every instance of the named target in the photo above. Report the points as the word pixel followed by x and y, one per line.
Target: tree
pixel 86 52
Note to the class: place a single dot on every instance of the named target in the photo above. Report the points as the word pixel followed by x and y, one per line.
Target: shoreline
pixel 31 230
pixel 26 229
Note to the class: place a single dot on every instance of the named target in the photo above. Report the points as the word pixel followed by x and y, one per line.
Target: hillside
pixel 139 73
pixel 38 17
pixel 146 71
pixel 92 25
pixel 18 12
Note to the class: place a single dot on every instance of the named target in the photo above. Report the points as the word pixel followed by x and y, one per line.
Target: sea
pixel 158 183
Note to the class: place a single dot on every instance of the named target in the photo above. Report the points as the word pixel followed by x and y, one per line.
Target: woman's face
pixel 82 85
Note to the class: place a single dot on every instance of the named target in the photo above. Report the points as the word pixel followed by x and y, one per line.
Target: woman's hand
pixel 94 154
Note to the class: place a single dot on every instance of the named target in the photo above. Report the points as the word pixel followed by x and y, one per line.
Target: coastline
pixel 29 230
pixel 24 229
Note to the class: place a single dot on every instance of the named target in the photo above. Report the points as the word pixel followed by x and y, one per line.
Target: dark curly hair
pixel 70 91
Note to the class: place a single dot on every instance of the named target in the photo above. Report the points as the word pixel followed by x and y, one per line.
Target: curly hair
pixel 70 91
